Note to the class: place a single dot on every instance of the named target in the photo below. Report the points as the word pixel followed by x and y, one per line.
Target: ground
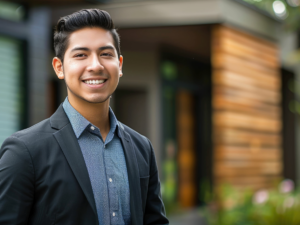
pixel 191 217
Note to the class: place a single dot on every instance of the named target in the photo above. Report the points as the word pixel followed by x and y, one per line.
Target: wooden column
pixel 246 109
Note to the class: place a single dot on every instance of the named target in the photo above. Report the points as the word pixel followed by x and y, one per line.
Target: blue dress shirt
pixel 106 166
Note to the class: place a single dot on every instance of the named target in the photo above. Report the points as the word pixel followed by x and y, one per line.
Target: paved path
pixel 191 217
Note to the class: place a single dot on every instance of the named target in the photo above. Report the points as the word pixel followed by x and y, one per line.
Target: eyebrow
pixel 87 49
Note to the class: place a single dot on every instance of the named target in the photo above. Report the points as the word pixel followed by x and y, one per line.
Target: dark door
pixel 290 108
pixel 186 104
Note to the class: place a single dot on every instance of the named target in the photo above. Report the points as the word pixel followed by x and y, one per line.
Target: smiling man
pixel 81 166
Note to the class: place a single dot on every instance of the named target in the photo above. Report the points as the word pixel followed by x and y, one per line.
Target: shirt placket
pixel 112 188
pixel 113 196
pixel 104 205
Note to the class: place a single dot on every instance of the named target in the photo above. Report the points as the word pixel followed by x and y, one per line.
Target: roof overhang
pixel 151 13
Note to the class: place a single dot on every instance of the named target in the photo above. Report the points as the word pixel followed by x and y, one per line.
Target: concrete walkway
pixel 191 217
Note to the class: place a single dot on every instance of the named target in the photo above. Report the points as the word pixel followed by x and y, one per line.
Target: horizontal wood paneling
pixel 236 137
pixel 250 84
pixel 250 40
pixel 245 52
pixel 248 153
pixel 246 106
pixel 223 59
pixel 267 82
pixel 246 109
pixel 248 181
pixel 244 121
pixel 245 95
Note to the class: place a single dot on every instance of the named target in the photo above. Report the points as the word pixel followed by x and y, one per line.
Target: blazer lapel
pixel 69 144
pixel 133 177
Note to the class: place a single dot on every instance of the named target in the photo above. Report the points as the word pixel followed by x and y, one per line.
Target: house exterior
pixel 206 80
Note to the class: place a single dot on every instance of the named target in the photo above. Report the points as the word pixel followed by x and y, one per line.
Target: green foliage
pixel 290 18
pixel 236 207
pixel 169 186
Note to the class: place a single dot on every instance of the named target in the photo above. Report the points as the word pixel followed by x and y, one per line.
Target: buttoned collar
pixel 79 123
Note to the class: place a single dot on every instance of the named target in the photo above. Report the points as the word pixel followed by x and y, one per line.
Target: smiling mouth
pixel 94 82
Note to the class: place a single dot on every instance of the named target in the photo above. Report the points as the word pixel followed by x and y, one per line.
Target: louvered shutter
pixel 11 87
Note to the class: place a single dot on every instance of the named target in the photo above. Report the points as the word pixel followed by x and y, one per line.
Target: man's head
pixel 88 58
pixel 78 20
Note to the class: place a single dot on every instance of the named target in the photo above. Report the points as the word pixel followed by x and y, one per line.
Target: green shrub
pixel 279 206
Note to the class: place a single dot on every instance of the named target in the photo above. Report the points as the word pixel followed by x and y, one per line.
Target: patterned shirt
pixel 106 165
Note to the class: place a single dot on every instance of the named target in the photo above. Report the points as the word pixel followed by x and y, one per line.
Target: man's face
pixel 91 66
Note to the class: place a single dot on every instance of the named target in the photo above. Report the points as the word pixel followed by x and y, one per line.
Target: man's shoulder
pixel 35 132
pixel 143 150
pixel 137 138
pixel 133 133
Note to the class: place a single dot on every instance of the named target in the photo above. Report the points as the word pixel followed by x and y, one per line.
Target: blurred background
pixel 214 85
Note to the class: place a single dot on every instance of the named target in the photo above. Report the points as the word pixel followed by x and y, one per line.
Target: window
pixel 12 11
pixel 12 87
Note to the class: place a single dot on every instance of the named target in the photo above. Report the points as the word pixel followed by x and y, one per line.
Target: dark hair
pixel 78 20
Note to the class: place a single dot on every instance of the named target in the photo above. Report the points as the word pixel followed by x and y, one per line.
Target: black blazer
pixel 44 179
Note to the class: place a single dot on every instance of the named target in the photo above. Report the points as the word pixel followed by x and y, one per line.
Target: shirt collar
pixel 79 123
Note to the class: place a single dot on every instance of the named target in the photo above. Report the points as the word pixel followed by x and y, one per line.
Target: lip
pixel 95 86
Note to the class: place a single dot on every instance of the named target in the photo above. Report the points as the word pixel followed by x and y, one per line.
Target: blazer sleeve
pixel 16 182
pixel 155 210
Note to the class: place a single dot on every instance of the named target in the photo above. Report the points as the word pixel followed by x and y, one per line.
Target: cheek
pixel 74 70
pixel 76 66
pixel 113 68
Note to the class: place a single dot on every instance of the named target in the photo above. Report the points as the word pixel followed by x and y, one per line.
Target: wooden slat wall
pixel 246 109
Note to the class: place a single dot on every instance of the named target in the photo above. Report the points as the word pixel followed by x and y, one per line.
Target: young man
pixel 81 166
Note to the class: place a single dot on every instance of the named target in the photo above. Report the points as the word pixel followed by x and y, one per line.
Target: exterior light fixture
pixel 280 9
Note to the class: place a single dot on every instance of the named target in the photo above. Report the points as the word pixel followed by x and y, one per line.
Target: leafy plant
pixel 264 207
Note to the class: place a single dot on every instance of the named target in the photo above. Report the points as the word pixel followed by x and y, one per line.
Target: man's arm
pixel 16 182
pixel 155 210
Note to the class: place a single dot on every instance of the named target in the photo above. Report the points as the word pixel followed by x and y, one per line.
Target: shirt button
pixel 114 214
pixel 92 128
pixel 110 180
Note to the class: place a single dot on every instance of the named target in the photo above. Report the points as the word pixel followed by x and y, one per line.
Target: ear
pixel 120 66
pixel 58 68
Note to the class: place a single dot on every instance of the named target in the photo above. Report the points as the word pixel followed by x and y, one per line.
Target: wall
pixel 140 73
pixel 247 115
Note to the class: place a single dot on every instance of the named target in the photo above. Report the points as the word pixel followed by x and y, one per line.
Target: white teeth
pixel 94 81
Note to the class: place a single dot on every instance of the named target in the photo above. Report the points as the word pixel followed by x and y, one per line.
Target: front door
pixel 186 107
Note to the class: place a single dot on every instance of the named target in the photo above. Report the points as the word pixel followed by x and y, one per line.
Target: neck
pixel 96 113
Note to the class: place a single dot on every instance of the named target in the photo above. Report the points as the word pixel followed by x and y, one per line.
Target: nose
pixel 95 64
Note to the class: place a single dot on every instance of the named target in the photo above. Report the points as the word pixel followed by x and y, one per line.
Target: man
pixel 81 166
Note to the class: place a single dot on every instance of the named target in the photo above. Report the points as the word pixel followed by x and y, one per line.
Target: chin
pixel 97 99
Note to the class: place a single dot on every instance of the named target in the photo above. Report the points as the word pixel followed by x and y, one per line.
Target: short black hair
pixel 78 20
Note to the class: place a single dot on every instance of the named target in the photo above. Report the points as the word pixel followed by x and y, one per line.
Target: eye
pixel 106 54
pixel 79 55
